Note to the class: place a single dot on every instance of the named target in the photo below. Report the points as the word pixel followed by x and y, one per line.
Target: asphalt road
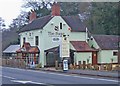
pixel 25 76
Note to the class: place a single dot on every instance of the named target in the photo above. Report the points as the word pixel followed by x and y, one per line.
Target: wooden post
pixel 79 64
pixel 84 64
pixel 56 65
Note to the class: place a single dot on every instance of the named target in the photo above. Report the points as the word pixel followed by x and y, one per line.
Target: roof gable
pixel 107 42
pixel 75 23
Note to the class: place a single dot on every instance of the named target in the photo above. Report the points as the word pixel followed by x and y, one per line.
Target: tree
pixel 104 18
pixel 2 24
pixel 74 8
pixel 21 20
pixel 40 7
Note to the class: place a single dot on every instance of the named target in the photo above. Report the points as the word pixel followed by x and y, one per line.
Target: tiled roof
pixel 81 46
pixel 73 21
pixel 54 49
pixel 11 49
pixel 26 48
pixel 107 42
pixel 36 24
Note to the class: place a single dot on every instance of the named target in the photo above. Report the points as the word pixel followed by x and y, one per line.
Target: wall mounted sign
pixel 55 34
pixel 56 39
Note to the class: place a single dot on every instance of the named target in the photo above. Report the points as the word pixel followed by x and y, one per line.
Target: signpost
pixel 64 47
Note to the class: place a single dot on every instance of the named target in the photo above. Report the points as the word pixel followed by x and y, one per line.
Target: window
pixel 36 40
pixel 29 34
pixel 24 40
pixel 60 25
pixel 115 53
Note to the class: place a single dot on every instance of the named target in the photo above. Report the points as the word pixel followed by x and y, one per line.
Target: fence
pixel 20 63
pixel 14 63
pixel 107 67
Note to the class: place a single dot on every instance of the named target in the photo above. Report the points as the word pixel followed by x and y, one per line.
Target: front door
pixel 94 58
pixel 50 60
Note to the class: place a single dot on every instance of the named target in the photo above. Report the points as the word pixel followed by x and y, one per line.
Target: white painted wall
pixel 105 56
pixel 83 56
pixel 93 42
pixel 78 36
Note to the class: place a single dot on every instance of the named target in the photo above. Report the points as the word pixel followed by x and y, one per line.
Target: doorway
pixel 94 58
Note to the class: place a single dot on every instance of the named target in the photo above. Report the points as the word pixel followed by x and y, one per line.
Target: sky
pixel 10 9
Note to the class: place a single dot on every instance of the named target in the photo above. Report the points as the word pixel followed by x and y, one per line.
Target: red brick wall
pixel 32 16
pixel 56 9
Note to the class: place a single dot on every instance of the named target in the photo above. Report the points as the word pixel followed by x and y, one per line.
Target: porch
pixel 29 54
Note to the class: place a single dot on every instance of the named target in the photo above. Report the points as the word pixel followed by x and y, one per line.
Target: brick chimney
pixel 55 9
pixel 32 16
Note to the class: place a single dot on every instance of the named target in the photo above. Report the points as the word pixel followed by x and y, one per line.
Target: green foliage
pixel 71 8
pixel 104 18
pixel 2 23
pixel 42 11
pixel 9 37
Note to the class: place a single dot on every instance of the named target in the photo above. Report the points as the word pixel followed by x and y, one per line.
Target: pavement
pixel 110 74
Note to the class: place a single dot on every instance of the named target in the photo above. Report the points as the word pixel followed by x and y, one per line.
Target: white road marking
pixel 9 77
pixel 20 81
pixel 64 75
pixel 37 83
pixel 24 82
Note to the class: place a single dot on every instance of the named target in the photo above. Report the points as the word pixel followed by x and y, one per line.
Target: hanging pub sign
pixel 64 47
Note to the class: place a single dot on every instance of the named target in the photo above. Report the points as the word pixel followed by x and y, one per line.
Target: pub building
pixel 54 38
